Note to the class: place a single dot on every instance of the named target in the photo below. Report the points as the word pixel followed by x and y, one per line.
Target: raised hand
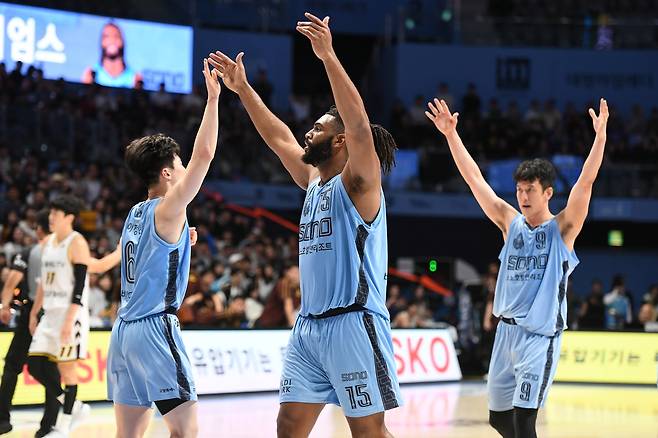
pixel 440 115
pixel 231 72
pixel 601 121
pixel 317 31
pixel 212 82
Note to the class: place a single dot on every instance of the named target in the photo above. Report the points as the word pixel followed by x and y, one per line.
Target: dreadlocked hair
pixel 385 145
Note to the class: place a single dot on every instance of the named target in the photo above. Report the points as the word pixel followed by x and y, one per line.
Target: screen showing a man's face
pixel 111 42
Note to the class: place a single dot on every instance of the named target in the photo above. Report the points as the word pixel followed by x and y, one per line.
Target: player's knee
pixel 35 365
pixel 524 422
pixel 12 366
pixel 370 427
pixel 503 422
pixel 189 430
pixel 285 426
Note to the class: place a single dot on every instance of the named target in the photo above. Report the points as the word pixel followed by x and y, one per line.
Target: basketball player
pixel 536 260
pixel 61 336
pixel 340 349
pixel 147 361
pixel 23 274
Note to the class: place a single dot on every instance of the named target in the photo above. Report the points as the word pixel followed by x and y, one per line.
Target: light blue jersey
pixel 126 79
pixel 532 282
pixel 343 260
pixel 154 273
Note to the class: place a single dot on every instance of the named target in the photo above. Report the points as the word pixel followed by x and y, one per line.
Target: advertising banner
pixel 608 357
pixel 230 361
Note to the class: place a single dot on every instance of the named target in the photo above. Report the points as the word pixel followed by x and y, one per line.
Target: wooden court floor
pixel 438 410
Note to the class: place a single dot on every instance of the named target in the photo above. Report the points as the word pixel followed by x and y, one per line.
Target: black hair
pixel 617 280
pixel 147 156
pixel 42 221
pixel 123 41
pixel 69 204
pixel 536 169
pixel 385 145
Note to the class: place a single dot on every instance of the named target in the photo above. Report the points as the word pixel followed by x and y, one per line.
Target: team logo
pixel 307 207
pixel 540 240
pixel 518 241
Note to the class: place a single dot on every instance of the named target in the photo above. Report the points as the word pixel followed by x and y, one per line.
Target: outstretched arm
pixel 362 173
pixel 274 132
pixel 572 218
pixel 496 209
pixel 170 213
pixel 99 266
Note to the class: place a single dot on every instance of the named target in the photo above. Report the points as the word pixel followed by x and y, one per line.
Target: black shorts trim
pixel 381 369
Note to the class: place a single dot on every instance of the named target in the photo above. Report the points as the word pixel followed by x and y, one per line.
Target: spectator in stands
pixel 551 116
pixel 417 112
pixel 100 289
pixel 263 86
pixel 471 103
pixel 283 304
pixel 649 310
pixel 408 318
pixel 203 305
pixel 592 315
pixel 443 92
pixel 619 312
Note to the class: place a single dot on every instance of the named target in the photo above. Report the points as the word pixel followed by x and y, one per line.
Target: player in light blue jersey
pixel 147 362
pixel 536 260
pixel 340 349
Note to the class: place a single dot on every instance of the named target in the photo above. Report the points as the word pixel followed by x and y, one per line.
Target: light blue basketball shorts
pixel 147 362
pixel 522 368
pixel 346 360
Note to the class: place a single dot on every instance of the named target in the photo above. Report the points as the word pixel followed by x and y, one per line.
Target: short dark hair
pixel 69 204
pixel 385 145
pixel 42 221
pixel 147 156
pixel 536 169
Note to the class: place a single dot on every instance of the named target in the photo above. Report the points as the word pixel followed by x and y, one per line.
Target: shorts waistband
pixel 510 321
pixel 338 311
pixel 169 311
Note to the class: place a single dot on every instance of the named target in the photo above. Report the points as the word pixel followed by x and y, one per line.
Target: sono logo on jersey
pixel 425 356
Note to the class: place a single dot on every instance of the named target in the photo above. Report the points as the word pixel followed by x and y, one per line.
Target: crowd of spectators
pixel 55 119
pixel 493 132
pixel 599 24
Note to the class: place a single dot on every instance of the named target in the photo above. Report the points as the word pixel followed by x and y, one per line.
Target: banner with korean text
pixel 608 357
pixel 89 48
pixel 230 361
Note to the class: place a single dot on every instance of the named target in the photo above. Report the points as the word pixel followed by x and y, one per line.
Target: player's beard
pixel 317 153
pixel 113 56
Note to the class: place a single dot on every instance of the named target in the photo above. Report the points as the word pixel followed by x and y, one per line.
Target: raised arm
pixel 496 209
pixel 99 266
pixel 572 218
pixel 362 173
pixel 170 213
pixel 274 132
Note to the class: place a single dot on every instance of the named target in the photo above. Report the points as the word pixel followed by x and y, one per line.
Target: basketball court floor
pixel 437 410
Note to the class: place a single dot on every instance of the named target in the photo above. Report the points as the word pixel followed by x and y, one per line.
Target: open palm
pixel 212 83
pixel 600 122
pixel 232 72
pixel 440 115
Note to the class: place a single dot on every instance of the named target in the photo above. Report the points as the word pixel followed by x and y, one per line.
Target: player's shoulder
pixel 79 240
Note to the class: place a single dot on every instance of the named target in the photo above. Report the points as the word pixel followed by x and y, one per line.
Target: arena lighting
pixel 615 238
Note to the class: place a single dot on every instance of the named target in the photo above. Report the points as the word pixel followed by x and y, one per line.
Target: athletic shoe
pixel 56 433
pixel 79 413
pixel 5 427
pixel 42 432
